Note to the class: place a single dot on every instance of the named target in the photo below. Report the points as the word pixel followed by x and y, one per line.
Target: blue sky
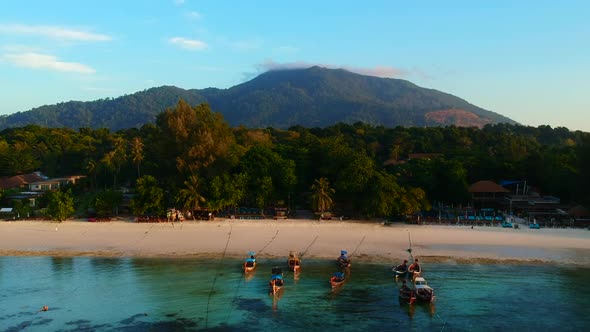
pixel 528 60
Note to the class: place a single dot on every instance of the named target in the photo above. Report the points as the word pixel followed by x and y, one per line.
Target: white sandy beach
pixel 272 238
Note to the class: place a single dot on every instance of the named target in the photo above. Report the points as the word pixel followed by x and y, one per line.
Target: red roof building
pixel 488 194
pixel 20 181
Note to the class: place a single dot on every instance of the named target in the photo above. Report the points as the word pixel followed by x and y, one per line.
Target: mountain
pixel 312 97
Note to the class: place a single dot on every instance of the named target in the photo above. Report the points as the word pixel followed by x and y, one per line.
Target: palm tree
pixel 114 160
pixel 137 152
pixel 91 168
pixel 322 195
pixel 189 196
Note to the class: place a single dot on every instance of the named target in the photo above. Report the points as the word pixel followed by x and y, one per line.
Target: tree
pixel 91 168
pixel 60 205
pixel 114 159
pixel 322 195
pixel 195 137
pixel 20 208
pixel 148 198
pixel 411 200
pixel 137 152
pixel 106 202
pixel 271 177
pixel 227 191
pixel 190 196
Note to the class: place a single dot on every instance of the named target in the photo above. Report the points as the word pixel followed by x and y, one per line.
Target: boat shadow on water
pixel 410 310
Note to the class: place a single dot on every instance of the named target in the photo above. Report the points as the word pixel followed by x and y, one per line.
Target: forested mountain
pixel 130 111
pixel 313 97
pixel 192 158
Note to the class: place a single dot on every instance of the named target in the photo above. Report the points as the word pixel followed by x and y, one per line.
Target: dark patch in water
pixel 180 324
pixel 251 305
pixel 132 319
pixel 84 325
pixel 78 322
pixel 171 315
pixel 42 321
pixel 19 327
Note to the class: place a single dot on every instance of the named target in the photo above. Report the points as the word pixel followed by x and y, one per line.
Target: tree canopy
pixel 192 158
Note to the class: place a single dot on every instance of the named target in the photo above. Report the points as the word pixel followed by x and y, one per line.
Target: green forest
pixel 191 158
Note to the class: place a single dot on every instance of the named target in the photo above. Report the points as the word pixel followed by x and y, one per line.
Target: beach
pixel 367 241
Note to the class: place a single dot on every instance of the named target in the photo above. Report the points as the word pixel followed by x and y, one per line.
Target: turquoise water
pixel 131 294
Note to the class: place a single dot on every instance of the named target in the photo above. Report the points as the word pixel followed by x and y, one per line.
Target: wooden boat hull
pixel 294 265
pixel 400 274
pixel 274 286
pixel 334 282
pixel 248 268
pixel 407 297
pixel 344 265
pixel 427 297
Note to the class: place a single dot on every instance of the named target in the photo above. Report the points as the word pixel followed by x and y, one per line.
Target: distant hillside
pixel 313 97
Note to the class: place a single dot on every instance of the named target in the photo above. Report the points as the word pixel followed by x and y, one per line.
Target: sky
pixel 527 60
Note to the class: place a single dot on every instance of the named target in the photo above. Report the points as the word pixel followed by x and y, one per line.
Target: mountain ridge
pixel 311 97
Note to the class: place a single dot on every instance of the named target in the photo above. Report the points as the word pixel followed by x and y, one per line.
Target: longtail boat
pixel 343 260
pixel 250 262
pixel 276 282
pixel 294 262
pixel 406 294
pixel 337 279
pixel 401 271
pixel 424 293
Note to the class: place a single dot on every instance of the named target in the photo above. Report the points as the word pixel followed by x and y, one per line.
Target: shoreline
pixel 365 241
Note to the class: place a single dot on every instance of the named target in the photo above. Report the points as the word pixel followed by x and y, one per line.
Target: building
pixel 53 184
pixel 21 181
pixel 488 195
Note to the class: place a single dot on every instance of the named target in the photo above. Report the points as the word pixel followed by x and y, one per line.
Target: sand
pixel 369 241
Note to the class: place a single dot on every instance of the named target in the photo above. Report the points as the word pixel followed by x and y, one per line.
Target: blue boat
pixel 250 262
pixel 337 279
pixel 343 260
pixel 534 226
pixel 276 282
pixel 507 224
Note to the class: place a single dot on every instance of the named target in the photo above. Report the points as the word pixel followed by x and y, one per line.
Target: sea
pixel 156 294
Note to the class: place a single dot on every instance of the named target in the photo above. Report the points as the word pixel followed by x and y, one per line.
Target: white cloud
pixel 54 32
pixel 44 61
pixel 194 15
pixel 16 48
pixel 379 71
pixel 179 2
pixel 190 44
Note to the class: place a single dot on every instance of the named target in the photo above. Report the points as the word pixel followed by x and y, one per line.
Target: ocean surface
pixel 140 294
